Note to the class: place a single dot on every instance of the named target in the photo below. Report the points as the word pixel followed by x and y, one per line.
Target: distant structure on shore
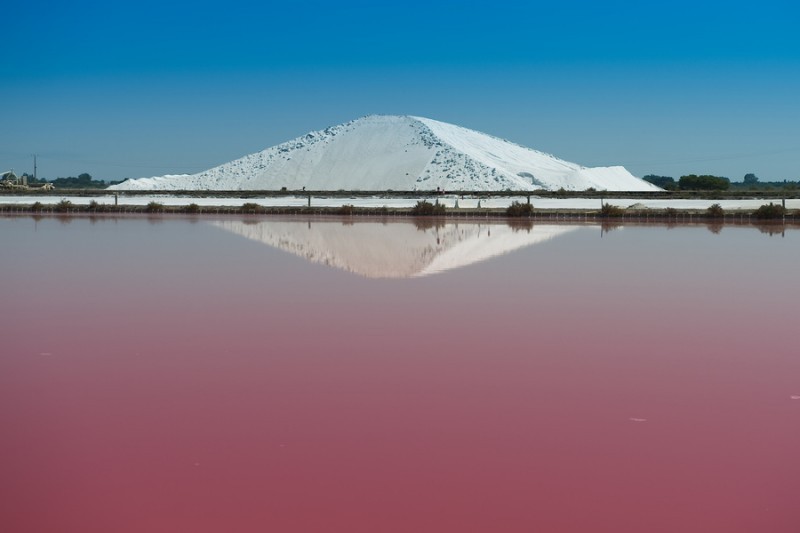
pixel 10 181
pixel 400 153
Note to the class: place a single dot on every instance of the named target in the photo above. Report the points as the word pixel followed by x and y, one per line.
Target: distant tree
pixel 693 182
pixel 750 179
pixel 665 182
pixel 30 179
pixel 83 181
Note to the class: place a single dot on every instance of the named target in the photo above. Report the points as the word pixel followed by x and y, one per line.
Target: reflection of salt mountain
pixel 396 250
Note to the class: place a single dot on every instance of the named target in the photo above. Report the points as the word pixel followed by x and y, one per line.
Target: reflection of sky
pixel 175 362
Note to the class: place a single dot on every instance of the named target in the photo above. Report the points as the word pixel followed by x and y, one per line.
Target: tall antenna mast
pixel 34 167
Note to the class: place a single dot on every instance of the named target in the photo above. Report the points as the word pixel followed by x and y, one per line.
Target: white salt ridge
pixel 382 152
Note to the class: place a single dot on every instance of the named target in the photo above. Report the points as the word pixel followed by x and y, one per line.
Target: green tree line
pixel 706 182
pixel 82 181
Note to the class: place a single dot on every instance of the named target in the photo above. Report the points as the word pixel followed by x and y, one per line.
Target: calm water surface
pixel 302 376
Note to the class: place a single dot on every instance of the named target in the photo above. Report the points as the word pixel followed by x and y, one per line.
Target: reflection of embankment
pixel 396 250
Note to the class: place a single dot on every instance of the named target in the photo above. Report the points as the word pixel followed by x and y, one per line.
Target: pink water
pixel 161 377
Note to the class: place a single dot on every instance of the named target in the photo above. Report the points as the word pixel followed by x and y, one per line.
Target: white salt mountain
pixel 387 152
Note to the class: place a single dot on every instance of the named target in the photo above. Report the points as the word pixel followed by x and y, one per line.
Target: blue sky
pixel 147 88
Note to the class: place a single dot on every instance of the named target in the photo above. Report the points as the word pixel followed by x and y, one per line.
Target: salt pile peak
pixel 383 152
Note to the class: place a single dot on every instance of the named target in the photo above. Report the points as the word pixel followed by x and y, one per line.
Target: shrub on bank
pixel 192 209
pixel 251 207
pixel 517 209
pixel 37 206
pixel 346 209
pixel 715 211
pixel 770 211
pixel 155 207
pixel 609 210
pixel 425 208
pixel 64 205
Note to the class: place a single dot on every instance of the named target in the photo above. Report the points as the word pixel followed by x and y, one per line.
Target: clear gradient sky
pixel 132 89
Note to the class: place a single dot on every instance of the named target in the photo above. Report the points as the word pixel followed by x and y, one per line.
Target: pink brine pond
pixel 162 375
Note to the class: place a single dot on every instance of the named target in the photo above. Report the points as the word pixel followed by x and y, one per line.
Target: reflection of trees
pixel 424 224
pixel 715 227
pixel 520 225
pixel 607 226
pixel 771 228
pixel 64 219
pixel 155 219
